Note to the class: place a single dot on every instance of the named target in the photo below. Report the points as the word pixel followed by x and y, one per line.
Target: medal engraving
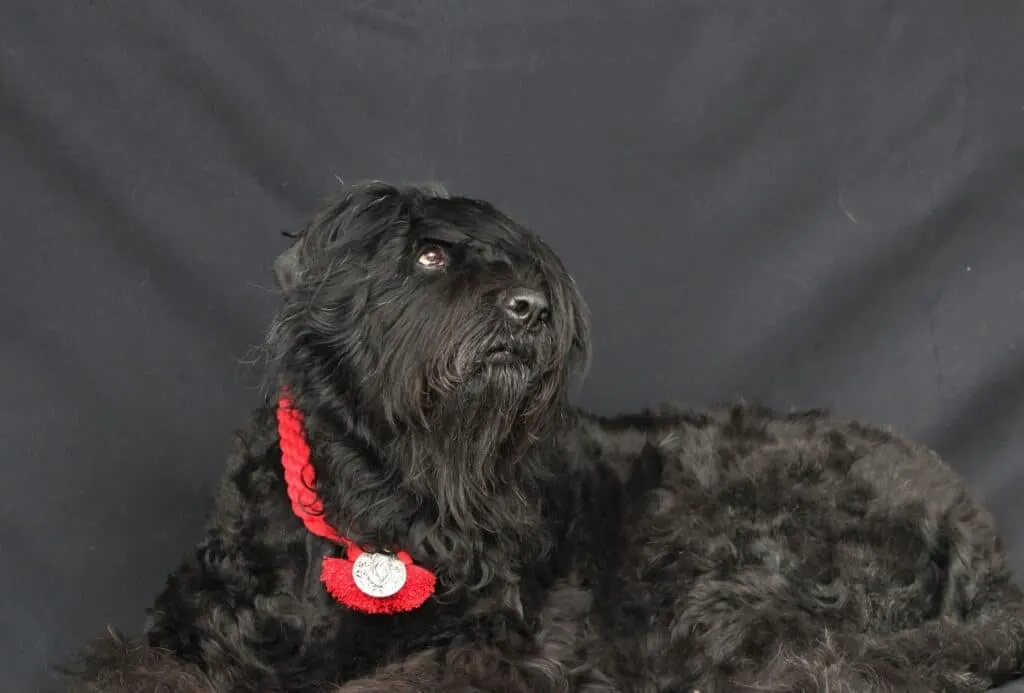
pixel 378 574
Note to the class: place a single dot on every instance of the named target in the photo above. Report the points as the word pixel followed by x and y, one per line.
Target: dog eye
pixel 432 257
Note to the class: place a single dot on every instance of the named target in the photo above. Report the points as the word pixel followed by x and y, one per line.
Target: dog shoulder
pixel 240 559
pixel 253 473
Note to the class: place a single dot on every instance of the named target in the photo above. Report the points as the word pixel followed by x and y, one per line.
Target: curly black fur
pixel 733 549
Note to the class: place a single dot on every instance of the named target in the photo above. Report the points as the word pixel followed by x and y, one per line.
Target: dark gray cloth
pixel 803 203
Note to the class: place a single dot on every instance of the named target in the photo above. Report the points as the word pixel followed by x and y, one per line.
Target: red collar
pixel 374 583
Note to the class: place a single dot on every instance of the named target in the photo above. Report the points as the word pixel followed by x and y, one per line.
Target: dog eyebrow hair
pixel 438 239
pixel 439 233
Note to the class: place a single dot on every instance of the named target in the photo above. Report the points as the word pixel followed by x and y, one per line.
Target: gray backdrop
pixel 804 203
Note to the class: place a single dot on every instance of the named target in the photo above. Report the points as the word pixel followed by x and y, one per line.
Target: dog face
pixel 428 310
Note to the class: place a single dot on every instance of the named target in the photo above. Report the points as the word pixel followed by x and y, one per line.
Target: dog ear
pixel 287 268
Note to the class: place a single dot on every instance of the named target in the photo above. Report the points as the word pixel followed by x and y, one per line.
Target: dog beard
pixel 477 417
pixel 467 428
pixel 469 383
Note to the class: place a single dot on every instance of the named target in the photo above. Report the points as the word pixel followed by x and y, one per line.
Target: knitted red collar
pixel 374 583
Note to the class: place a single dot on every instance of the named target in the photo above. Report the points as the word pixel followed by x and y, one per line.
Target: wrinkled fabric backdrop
pixel 800 203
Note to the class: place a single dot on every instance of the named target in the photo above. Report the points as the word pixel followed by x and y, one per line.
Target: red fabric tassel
pixel 336 573
pixel 337 578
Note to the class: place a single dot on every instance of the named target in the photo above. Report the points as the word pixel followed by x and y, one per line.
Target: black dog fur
pixel 677 550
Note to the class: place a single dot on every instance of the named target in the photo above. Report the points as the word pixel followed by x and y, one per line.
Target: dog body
pixel 429 343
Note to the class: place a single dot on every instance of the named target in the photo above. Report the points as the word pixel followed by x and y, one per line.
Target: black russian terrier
pixel 419 508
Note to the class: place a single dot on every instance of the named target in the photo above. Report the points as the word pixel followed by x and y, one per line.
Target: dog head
pixel 424 312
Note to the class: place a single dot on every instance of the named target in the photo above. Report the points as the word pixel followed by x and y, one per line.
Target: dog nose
pixel 526 306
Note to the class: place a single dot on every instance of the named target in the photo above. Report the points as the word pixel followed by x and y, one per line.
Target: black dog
pixel 455 525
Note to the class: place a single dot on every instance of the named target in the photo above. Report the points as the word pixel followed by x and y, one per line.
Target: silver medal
pixel 378 574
